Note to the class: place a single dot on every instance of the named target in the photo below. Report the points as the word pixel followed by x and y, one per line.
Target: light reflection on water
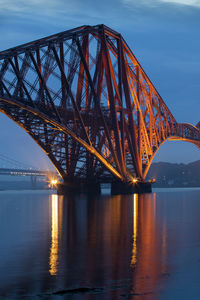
pixel 108 247
pixel 55 218
pixel 135 225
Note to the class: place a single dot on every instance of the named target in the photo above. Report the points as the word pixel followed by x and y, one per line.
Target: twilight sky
pixel 163 34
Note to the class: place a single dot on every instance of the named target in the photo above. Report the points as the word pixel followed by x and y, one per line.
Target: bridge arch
pixel 45 121
pixel 170 139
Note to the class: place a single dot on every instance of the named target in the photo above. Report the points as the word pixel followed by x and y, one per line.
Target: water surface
pixel 106 247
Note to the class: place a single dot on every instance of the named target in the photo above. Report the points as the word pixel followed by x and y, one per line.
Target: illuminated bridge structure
pixel 85 99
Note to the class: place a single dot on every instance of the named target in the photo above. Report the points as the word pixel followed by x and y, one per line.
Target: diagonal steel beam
pixel 110 75
pixel 97 103
pixel 70 93
pixel 44 85
pixel 20 80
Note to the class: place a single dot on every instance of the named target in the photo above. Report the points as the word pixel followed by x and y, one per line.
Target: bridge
pixel 12 167
pixel 51 177
pixel 25 172
pixel 85 99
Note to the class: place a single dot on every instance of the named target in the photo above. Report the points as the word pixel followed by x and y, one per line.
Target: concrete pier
pixel 94 188
pixel 121 188
pixel 76 187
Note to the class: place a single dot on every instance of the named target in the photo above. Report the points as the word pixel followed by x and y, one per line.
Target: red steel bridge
pixel 84 98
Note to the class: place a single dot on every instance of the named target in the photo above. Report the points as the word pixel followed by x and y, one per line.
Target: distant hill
pixel 175 175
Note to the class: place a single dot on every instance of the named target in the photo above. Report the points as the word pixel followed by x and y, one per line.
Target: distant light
pixel 153 180
pixel 134 180
pixel 54 182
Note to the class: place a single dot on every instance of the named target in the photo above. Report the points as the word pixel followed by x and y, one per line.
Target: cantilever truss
pixel 85 99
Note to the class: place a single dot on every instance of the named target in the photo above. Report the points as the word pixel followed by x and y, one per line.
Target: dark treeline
pixel 175 175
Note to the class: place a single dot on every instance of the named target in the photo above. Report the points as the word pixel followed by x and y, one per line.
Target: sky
pixel 163 34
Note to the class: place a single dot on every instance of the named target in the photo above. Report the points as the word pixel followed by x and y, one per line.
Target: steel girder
pixel 85 99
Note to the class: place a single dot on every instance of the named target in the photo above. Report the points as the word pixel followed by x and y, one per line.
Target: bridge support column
pixel 123 188
pixel 75 187
pixel 33 181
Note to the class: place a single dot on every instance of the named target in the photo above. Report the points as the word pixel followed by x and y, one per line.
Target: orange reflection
pixel 135 224
pixel 164 247
pixel 149 244
pixel 53 259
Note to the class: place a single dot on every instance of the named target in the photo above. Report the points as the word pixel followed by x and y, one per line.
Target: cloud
pixel 158 3
pixel 195 3
pixel 53 7
pixel 45 7
pixel 121 15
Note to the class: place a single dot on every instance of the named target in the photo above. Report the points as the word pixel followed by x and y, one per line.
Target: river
pixel 105 247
